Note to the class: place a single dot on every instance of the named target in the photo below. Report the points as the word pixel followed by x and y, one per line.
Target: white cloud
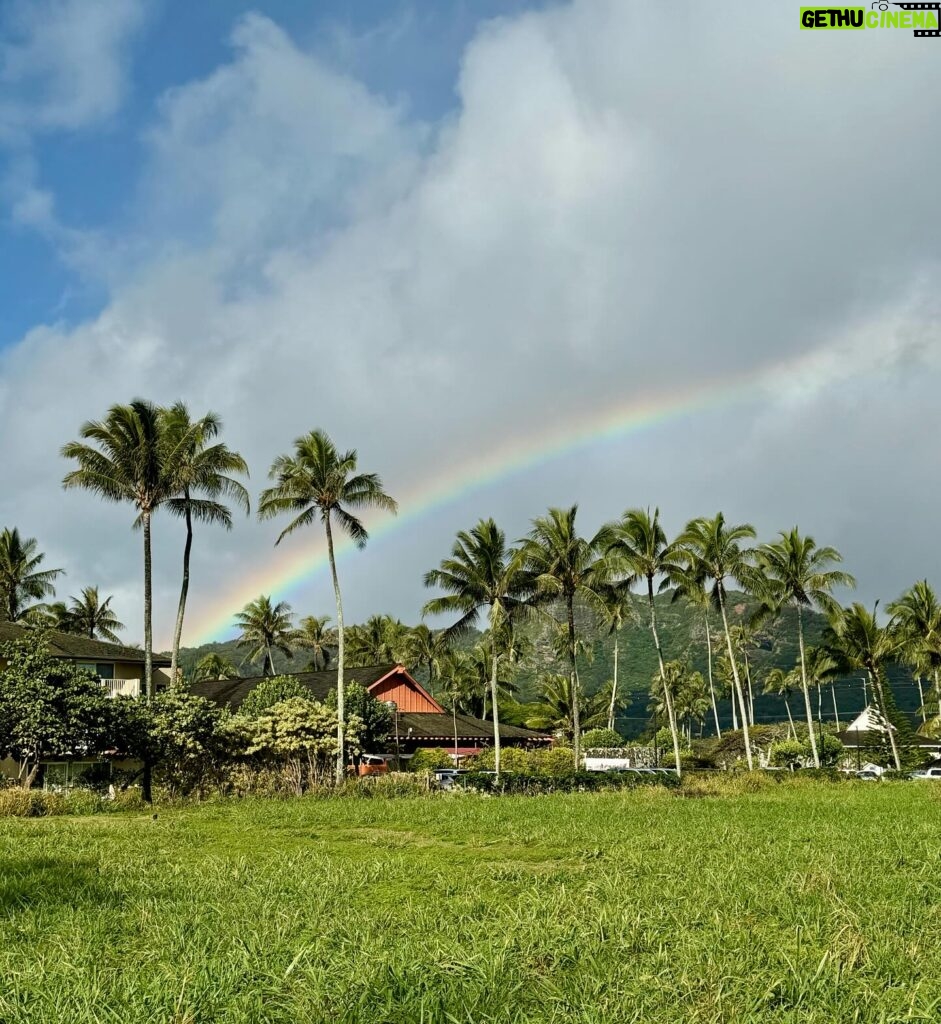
pixel 617 208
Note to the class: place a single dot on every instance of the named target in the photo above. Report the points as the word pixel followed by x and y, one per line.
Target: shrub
pixel 396 784
pixel 784 753
pixel 602 739
pixel 30 803
pixel 556 762
pixel 82 801
pixel 429 758
pixel 512 759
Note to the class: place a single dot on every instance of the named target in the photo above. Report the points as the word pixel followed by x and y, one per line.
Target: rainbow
pixel 286 570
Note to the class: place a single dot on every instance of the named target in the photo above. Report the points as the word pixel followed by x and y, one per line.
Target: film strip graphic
pixel 936 7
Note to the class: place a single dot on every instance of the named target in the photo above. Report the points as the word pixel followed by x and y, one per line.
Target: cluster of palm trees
pixel 24 585
pixel 553 569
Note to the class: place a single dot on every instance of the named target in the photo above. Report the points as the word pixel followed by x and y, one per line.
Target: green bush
pixel 83 801
pixel 577 782
pixel 30 803
pixel 555 763
pixel 512 759
pixel 784 753
pixel 427 759
pixel 602 739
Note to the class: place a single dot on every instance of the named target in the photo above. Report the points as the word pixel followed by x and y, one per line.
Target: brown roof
pixel 70 645
pixel 231 692
pixel 428 726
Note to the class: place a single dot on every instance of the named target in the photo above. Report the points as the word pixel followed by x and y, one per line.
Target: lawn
pixel 805 903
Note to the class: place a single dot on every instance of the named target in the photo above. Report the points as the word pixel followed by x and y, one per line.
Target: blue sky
pixel 407 52
pixel 442 230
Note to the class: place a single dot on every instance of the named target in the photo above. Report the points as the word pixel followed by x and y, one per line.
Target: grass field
pixel 812 903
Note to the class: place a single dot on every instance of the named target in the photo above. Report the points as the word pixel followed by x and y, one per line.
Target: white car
pixel 927 773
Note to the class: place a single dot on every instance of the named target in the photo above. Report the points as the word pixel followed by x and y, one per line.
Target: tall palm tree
pixel 713 552
pixel 917 616
pixel 565 566
pixel 795 573
pixel 689 587
pixel 314 635
pixel 558 707
pixel 638 545
pixel 380 639
pixel 423 649
pixel 856 641
pixel 202 468
pixel 92 617
pixel 266 628
pixel 21 578
pixel 127 461
pixel 214 666
pixel 319 482
pixel 482 572
pixel 618 606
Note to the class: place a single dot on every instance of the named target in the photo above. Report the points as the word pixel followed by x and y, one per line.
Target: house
pixel 120 669
pixel 868 732
pixel 420 721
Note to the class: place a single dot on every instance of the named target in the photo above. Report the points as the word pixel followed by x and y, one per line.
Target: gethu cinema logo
pixel 922 19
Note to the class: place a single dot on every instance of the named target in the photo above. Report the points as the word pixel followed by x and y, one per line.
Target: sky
pixel 517 255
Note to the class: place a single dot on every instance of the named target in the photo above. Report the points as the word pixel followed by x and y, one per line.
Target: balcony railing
pixel 121 687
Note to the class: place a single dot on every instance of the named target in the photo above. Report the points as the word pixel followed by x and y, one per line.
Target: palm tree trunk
pixel 146 782
pixel 806 688
pixel 184 590
pixel 737 680
pixel 751 692
pixel 614 686
pixel 790 718
pixel 493 697
pixel 667 696
pixel 876 681
pixel 712 688
pixel 341 692
pixel 836 710
pixel 268 669
pixel 921 698
pixel 573 683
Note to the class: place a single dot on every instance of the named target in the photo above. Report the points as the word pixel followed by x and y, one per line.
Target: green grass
pixel 796 903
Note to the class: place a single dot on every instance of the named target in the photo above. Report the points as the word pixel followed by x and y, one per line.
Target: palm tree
pixel 713 552
pixel 482 572
pixel 638 545
pixel 690 588
pixel 795 573
pixel 423 648
pixel 917 616
pixel 201 475
pixel 49 616
pixel 566 566
pixel 559 709
pixel 315 635
pixel 618 605
pixel 266 628
pixel 214 666
pixel 856 641
pixel 692 701
pixel 127 462
pixel 781 684
pixel 21 579
pixel 92 617
pixel 318 482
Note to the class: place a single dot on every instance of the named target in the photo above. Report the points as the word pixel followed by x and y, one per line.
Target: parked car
pixel 868 775
pixel 926 773
pixel 372 764
pixel 447 778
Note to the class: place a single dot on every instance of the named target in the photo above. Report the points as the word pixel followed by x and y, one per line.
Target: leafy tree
pixel 856 641
pixel 482 572
pixel 783 684
pixel 315 636
pixel 379 640
pixel 200 470
pixel 49 708
pixel 21 578
pixel 566 566
pixel 266 628
pixel 214 666
pixel 54 615
pixel 127 461
pixel 301 735
pixel 712 553
pixel 638 546
pixel 602 739
pixel 270 692
pixel 189 744
pixel 556 708
pixel 92 617
pixel 794 572
pixel 376 720
pixel 317 482
pixel 424 649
